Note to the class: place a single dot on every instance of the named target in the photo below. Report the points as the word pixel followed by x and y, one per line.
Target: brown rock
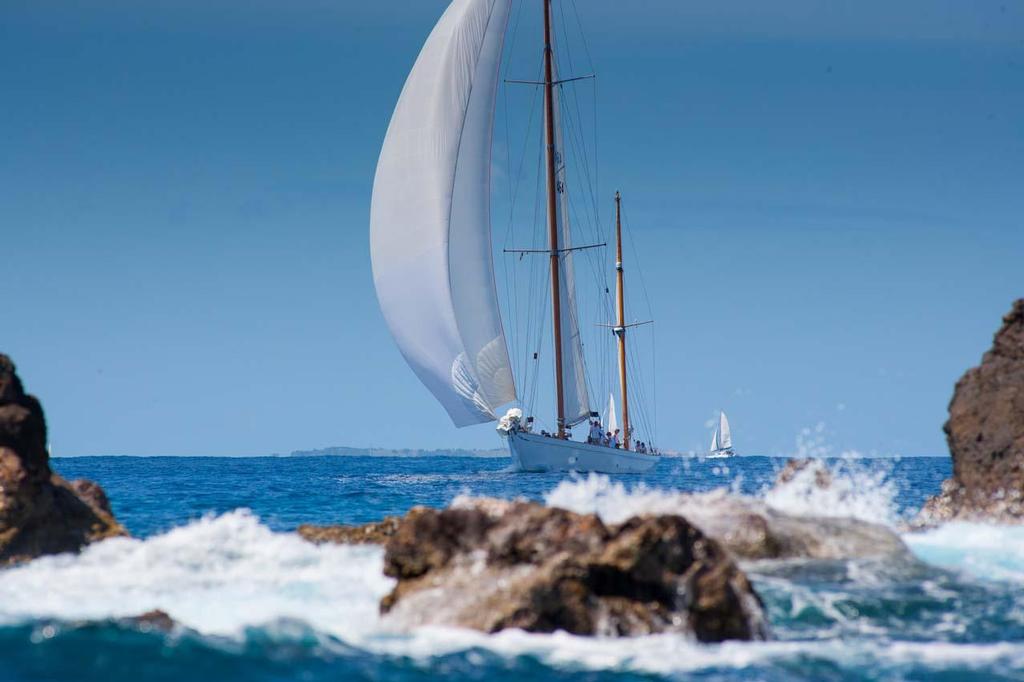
pixel 40 512
pixel 151 621
pixel 492 565
pixel 370 534
pixel 93 494
pixel 985 432
pixel 822 476
pixel 752 530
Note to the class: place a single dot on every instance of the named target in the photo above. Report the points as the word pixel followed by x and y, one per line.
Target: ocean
pixel 214 547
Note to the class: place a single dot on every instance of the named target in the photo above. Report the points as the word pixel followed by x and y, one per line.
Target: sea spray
pixel 217 575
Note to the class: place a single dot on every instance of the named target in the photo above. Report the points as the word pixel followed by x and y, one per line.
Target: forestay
pixel 430 235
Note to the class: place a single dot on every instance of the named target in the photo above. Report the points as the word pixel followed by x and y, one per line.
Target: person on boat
pixel 641 448
pixel 594 438
pixel 614 441
pixel 606 438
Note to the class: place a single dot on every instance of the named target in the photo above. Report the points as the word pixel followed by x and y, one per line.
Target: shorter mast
pixel 620 329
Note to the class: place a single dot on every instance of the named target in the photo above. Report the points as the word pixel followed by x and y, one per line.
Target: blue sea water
pixel 214 546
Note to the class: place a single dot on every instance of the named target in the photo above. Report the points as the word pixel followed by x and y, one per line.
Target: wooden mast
pixel 620 329
pixel 556 299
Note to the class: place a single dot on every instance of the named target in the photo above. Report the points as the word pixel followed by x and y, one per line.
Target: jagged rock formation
pixel 376 533
pixel 40 512
pixel 492 565
pixel 752 530
pixel 985 432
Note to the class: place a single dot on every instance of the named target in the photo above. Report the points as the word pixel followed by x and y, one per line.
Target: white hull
pixel 531 452
pixel 720 454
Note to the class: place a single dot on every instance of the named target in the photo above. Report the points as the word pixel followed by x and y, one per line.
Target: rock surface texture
pixel 753 530
pixel 376 533
pixel 492 565
pixel 985 432
pixel 40 512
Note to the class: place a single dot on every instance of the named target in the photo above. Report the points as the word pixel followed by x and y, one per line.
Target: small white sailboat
pixel 430 241
pixel 721 442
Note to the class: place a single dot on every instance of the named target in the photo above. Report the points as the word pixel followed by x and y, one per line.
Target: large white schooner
pixel 430 240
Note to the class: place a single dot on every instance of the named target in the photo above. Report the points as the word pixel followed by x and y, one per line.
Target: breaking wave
pixel 250 599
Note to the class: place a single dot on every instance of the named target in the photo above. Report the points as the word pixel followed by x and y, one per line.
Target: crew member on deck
pixel 595 432
pixel 614 441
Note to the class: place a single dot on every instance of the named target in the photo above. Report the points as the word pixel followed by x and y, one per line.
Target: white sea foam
pixel 217 576
pixel 223 574
pixel 985 551
pixel 855 490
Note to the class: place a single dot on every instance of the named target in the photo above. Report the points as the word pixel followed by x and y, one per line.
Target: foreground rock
pixel 753 530
pixel 376 533
pixel 985 433
pixel 40 512
pixel 492 565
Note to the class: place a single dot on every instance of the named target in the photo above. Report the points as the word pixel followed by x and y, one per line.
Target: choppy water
pixel 215 550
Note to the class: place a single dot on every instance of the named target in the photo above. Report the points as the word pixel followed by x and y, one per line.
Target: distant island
pixel 341 451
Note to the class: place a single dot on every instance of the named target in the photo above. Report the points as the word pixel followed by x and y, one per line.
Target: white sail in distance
pixel 714 442
pixel 725 439
pixel 430 230
pixel 611 422
pixel 574 378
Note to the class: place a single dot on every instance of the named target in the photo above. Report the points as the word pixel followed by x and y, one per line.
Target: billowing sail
pixel 430 234
pixel 714 442
pixel 574 378
pixel 611 421
pixel 723 428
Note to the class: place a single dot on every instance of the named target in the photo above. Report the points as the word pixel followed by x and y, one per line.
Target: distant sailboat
pixel 430 243
pixel 721 442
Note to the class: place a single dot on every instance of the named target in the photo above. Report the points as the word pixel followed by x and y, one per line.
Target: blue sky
pixel 827 198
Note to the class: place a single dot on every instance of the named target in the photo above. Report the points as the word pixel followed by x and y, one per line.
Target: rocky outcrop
pixel 40 512
pixel 753 530
pixel 492 565
pixel 985 432
pixel 376 533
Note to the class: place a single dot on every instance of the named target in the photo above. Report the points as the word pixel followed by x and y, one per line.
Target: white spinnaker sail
pixel 430 230
pixel 574 378
pixel 611 421
pixel 714 442
pixel 723 428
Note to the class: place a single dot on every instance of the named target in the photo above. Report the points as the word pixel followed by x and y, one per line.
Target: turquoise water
pixel 214 548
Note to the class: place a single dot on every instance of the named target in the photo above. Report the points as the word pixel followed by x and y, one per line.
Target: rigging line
pixel 515 183
pixel 575 97
pixel 639 270
pixel 515 33
pixel 583 34
pixel 524 376
pixel 522 161
pixel 531 301
pixel 593 69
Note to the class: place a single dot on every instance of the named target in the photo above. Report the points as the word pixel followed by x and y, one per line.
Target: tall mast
pixel 549 133
pixel 620 329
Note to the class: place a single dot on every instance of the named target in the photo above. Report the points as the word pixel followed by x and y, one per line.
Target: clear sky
pixel 829 197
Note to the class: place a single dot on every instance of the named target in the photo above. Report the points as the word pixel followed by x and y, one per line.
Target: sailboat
pixel 430 242
pixel 721 442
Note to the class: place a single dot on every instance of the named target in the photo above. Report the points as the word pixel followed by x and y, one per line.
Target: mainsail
pixel 725 439
pixel 714 442
pixel 574 378
pixel 430 233
pixel 611 421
